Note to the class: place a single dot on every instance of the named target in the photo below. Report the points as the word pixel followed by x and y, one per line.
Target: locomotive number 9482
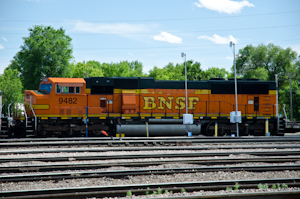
pixel 67 100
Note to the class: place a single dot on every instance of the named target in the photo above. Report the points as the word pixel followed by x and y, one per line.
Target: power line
pixel 235 29
pixel 166 47
pixel 140 20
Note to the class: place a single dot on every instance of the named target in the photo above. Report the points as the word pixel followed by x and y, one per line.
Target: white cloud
pixel 230 58
pixel 130 54
pixel 1 47
pixel 226 6
pixel 115 28
pixel 218 39
pixel 164 36
pixel 4 39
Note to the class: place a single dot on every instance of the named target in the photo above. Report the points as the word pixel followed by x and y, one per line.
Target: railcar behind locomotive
pixel 135 106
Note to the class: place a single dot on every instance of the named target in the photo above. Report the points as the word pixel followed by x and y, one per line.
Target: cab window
pixel 46 87
pixel 77 91
pixel 67 89
pixel 58 89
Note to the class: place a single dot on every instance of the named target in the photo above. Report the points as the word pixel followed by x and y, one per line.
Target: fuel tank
pixel 140 130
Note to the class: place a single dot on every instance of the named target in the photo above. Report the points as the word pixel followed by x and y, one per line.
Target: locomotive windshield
pixel 46 87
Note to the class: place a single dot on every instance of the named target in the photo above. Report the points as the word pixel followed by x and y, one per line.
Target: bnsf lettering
pixel 151 103
pixel 67 100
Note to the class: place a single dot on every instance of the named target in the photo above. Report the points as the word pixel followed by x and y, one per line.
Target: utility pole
pixel 291 100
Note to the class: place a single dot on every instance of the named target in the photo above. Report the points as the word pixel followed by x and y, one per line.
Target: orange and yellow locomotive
pixel 78 106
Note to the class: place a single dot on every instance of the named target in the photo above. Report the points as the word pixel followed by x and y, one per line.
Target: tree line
pixel 47 52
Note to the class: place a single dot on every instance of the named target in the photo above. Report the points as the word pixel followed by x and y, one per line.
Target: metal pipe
pixel 291 100
pixel 35 119
pixel 235 91
pixel 277 110
pixel 139 130
pixel 266 126
pixel 216 129
pixel 186 104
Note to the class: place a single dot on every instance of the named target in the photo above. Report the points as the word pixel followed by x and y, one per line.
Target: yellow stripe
pixel 142 117
pixel 249 118
pixel 87 90
pixel 196 117
pixel 102 118
pixel 175 117
pixel 130 115
pixel 144 91
pixel 157 117
pixel 272 92
pixel 117 90
pixel 64 118
pixel 204 91
pixel 126 117
pixel 44 118
pixel 40 106
pixel 128 91
pixel 214 118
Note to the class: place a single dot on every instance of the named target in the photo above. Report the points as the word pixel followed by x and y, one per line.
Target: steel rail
pixel 209 138
pixel 155 155
pixel 140 189
pixel 156 171
pixel 38 150
pixel 212 161
pixel 144 142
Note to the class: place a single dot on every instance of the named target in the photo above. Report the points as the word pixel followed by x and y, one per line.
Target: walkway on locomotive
pixel 105 98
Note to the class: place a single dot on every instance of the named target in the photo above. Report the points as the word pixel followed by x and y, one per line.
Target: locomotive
pixel 142 106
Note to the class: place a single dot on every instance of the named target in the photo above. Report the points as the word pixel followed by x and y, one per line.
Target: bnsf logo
pixel 151 103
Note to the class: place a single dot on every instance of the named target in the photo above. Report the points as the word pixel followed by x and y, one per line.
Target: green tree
pixel 214 72
pixel 259 73
pixel 272 58
pixel 11 87
pixel 89 69
pixel 264 61
pixel 171 72
pixel 123 69
pixel 45 53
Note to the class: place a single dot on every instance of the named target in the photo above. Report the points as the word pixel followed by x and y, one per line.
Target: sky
pixel 153 32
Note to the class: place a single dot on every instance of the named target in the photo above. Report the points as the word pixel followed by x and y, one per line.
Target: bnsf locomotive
pixel 140 106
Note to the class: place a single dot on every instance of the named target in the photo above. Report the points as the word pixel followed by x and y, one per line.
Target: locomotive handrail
pixel 284 113
pixel 35 120
pixel 8 109
pixel 25 114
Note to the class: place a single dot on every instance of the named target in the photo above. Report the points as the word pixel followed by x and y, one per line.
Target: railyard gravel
pixel 74 161
pixel 147 179
pixel 72 154
pixel 163 166
pixel 194 193
pixel 141 147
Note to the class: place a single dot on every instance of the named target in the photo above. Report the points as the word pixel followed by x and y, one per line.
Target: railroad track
pixel 181 141
pixel 156 171
pixel 212 161
pixel 106 149
pixel 157 155
pixel 141 189
pixel 227 162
